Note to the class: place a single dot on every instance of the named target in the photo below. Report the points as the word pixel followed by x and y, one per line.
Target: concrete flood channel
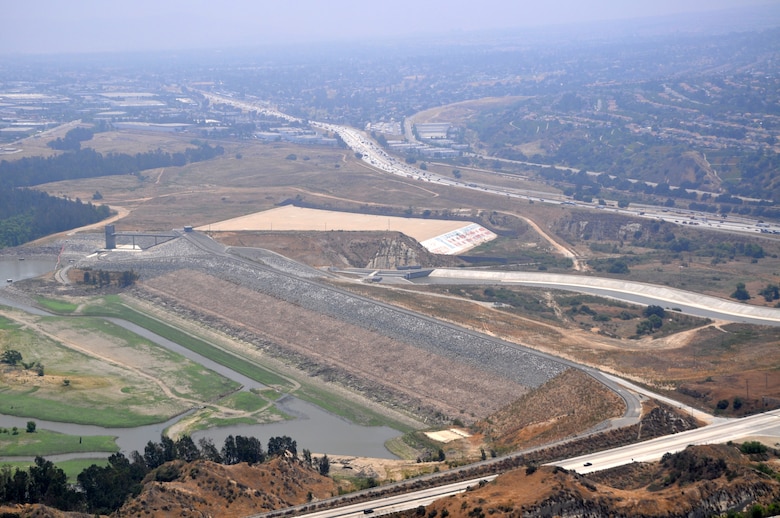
pixel 311 427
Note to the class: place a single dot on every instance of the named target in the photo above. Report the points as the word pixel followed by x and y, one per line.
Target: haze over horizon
pixel 53 27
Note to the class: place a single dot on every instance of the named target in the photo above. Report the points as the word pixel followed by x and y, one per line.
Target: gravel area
pixel 490 361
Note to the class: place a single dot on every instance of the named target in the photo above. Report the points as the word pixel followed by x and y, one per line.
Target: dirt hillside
pixel 341 249
pixel 700 481
pixel 564 406
pixel 204 488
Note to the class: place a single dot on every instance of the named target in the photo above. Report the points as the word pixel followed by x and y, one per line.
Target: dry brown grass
pixel 564 406
pixel 36 145
pixel 463 110
pixel 210 489
pixel 224 188
pixel 137 142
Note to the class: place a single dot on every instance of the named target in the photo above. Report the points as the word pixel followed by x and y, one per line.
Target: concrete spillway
pixel 620 289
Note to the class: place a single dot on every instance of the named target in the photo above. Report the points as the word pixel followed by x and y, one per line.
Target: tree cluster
pixel 614 265
pixel 72 140
pixel 104 489
pixel 13 357
pixel 770 292
pixel 687 466
pixel 42 483
pixel 661 236
pixel 741 292
pixel 654 320
pixel 26 215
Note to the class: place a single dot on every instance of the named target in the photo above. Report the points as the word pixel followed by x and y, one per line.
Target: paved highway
pixel 698 414
pixel 396 503
pixel 373 154
pixel 732 430
pixel 642 293
pixel 652 450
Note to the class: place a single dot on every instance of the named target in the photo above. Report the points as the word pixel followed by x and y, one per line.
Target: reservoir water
pixel 17 269
pixel 316 430
pixel 312 428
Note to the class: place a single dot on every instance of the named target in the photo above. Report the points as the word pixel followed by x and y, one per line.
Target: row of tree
pixel 104 489
pixel 586 187
pixel 88 163
pixel 655 320
pixel 102 278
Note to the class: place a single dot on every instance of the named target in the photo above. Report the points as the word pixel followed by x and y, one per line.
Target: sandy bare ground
pixel 297 218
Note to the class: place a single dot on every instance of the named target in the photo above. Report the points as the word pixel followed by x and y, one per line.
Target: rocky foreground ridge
pixel 701 481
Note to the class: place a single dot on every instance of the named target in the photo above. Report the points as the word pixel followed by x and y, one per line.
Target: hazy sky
pixel 47 26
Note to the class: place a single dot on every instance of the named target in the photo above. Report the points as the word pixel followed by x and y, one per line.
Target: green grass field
pixel 307 391
pixel 57 306
pixel 46 442
pixel 311 392
pixel 246 401
pixel 187 377
pixel 31 404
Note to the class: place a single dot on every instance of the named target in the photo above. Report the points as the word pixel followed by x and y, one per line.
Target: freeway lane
pixel 653 450
pixel 396 503
pixel 373 154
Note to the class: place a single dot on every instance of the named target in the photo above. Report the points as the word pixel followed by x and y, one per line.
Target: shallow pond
pixel 15 269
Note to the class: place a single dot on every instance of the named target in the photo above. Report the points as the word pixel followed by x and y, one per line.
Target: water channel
pixel 311 428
